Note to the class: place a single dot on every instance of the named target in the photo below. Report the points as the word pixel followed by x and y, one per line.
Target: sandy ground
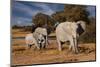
pixel 18 33
pixel 21 56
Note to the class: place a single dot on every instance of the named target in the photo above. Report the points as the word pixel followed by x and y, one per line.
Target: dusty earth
pixel 21 56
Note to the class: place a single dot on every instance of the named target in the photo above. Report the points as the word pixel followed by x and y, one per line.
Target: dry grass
pixel 18 33
pixel 21 56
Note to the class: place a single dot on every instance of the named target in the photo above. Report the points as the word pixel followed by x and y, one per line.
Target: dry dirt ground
pixel 20 56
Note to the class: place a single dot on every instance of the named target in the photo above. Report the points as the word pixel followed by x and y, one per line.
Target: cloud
pixel 30 10
pixel 44 8
pixel 22 12
pixel 24 9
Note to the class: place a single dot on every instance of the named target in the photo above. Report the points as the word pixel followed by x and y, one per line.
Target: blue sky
pixel 22 12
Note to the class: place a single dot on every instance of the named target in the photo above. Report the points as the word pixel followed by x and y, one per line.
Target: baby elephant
pixel 35 39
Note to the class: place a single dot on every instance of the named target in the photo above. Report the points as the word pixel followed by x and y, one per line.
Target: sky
pixel 22 12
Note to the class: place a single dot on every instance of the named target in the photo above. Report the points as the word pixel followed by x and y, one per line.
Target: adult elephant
pixel 70 31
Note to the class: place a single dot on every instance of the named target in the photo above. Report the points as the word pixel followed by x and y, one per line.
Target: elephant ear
pixel 81 27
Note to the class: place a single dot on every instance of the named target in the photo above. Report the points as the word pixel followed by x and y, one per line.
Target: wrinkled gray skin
pixel 69 31
pixel 43 31
pixel 41 41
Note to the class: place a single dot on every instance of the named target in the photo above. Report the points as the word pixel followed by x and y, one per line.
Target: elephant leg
pixel 59 45
pixel 76 45
pixel 44 45
pixel 72 45
pixel 37 45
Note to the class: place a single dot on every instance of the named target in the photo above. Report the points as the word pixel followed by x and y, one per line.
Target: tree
pixel 40 19
pixel 72 13
pixel 75 12
pixel 43 20
pixel 59 16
